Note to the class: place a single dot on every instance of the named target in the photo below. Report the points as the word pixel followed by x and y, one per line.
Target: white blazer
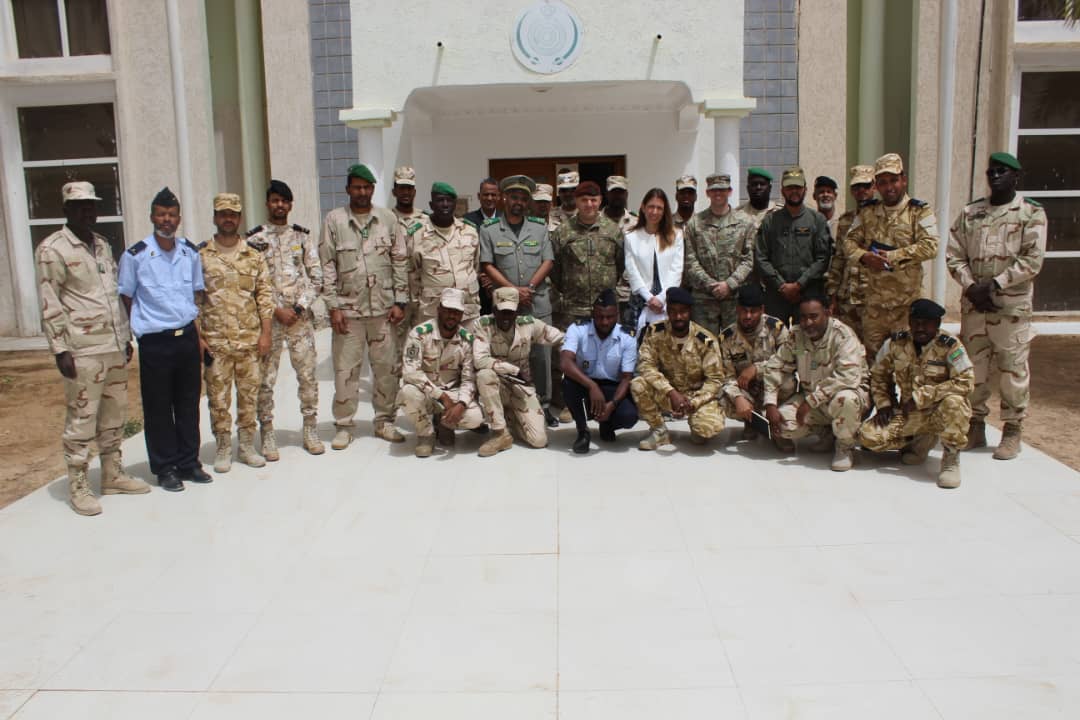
pixel 639 248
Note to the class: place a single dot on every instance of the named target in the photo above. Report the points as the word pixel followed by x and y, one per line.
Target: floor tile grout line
pixel 82 646
pixel 558 577
pixel 917 683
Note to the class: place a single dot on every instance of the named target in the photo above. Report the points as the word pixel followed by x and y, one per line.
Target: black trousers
pixel 170 382
pixel 577 402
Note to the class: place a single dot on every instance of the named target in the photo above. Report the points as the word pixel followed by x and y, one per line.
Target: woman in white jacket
pixel 654 258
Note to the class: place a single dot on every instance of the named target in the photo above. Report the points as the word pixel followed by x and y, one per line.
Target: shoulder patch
pixel 301 229
pixel 424 329
pixel 193 246
pixel 485 320
pixel 658 327
pixel 414 227
pixel 525 320
pixel 489 221
pixel 870 203
pixel 465 335
pixel 915 202
pixel 539 221
pixel 252 231
pixel 702 337
pixel 1036 203
pixel 137 248
pixel 258 245
pixel 946 340
pixel 729 332
pixel 772 322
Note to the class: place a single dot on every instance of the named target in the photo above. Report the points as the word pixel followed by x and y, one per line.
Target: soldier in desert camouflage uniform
pixel 292 259
pixel 758 191
pixel 566 185
pixel 845 282
pixel 891 239
pixel 833 383
pixel 685 201
pixel 445 253
pixel 680 372
pixel 935 377
pixel 89 336
pixel 995 251
pixel 438 377
pixel 407 215
pixel 501 356
pixel 236 312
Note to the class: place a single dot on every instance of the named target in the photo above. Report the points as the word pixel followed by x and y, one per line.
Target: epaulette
pixel 537 220
pixel 465 335
pixel 424 329
pixel 252 231
pixel 1036 203
pixel 869 202
pixel 702 337
pixel 976 201
pixel 489 221
pixel 414 227
pixel 899 335
pixel 485 320
pixel 428 213
pixel 633 214
pixel 525 320
pixel 915 202
pixel 946 340
pixel 772 322
pixel 470 223
pixel 193 246
pixel 657 327
pixel 582 321
pixel 301 229
pixel 728 332
pixel 258 245
pixel 137 248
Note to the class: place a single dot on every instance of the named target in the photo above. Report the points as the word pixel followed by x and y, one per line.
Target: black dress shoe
pixel 581 445
pixel 170 481
pixel 551 420
pixel 607 432
pixel 196 475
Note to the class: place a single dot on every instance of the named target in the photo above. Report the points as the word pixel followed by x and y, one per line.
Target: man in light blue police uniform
pixel 158 280
pixel 598 361
pixel 515 251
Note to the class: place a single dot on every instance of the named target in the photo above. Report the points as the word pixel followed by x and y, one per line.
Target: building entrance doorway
pixel 545 170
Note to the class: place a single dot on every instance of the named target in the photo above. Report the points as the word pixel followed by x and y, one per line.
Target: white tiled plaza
pixel 716 582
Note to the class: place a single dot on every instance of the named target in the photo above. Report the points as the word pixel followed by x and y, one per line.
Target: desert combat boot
pixel 245 451
pixel 1009 447
pixel 81 499
pixel 114 481
pixel 312 443
pixel 268 443
pixel 223 457
pixel 949 477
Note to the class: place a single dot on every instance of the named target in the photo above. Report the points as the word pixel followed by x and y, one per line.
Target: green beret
pixel 442 188
pixel 1006 159
pixel 362 172
pixel 760 172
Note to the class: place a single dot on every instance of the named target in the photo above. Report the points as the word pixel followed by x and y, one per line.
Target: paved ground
pixel 718 582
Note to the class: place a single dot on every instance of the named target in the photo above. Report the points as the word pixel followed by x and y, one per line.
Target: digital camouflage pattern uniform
pixel 588 259
pixel 412 312
pixel 739 351
pixel 910 229
pixel 833 380
pixel 1006 243
pixel 938 379
pixel 238 297
pixel 365 272
pixel 446 258
pixel 292 259
pixel 694 369
pixel 434 365
pixel 846 280
pixel 503 375
pixel 718 249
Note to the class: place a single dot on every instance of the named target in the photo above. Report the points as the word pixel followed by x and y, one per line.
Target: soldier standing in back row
pixel 891 239
pixel 445 254
pixel 296 275
pixel 236 311
pixel 845 282
pixel 89 336
pixel 407 215
pixel 995 252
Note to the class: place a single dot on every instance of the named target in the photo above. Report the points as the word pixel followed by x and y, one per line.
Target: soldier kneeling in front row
pixel 935 377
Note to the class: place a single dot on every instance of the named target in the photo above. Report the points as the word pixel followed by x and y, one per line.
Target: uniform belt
pixel 166 334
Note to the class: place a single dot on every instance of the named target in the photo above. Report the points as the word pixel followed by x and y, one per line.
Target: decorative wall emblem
pixel 547 37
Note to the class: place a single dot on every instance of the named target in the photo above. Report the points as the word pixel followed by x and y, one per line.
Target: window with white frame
pixel 1048 148
pixel 64 143
pixel 60 28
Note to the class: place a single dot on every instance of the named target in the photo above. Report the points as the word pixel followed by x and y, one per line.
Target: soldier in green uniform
pixel 719 256
pixel 679 372
pixel 995 251
pixel 515 252
pixel 935 377
pixel 845 282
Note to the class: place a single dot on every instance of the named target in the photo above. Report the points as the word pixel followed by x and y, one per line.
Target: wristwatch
pixel 532 287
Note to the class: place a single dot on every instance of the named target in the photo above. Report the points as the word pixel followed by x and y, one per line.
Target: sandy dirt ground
pixel 32 413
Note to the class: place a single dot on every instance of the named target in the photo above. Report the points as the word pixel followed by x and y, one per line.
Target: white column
pixel 871 81
pixel 946 104
pixel 726 151
pixel 180 111
pixel 371 154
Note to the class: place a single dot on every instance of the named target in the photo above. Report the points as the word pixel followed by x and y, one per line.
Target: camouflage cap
pixel 227 201
pixel 718 182
pixel 793 176
pixel 543 192
pixel 517 182
pixel 889 163
pixel 506 298
pixel 1006 159
pixel 452 299
pixel 78 191
pixel 405 175
pixel 686 181
pixel 861 174
pixel 568 180
pixel 617 182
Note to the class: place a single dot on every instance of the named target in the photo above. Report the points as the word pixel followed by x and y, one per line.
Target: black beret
pixel 751 295
pixel 277 187
pixel 606 298
pixel 680 296
pixel 165 198
pixel 925 309
pixel 825 180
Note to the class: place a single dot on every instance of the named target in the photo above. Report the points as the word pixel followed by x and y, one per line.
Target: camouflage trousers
pixel 501 398
pixel 712 314
pixel 412 319
pixel 947 419
pixel 420 408
pixel 96 406
pixel 757 397
pixel 843 414
pixel 1001 343
pixel 300 340
pixel 239 368
pixel 850 315
pixel 379 339
pixel 707 421
pixel 878 323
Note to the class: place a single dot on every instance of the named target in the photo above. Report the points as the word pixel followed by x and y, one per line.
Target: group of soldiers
pixel 460 317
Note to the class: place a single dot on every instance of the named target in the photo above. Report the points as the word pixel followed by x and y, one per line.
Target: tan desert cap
pixel 889 163
pixel 227 201
pixel 506 298
pixel 861 174
pixel 568 180
pixel 686 181
pixel 718 181
pixel 617 182
pixel 78 191
pixel 405 175
pixel 452 299
pixel 544 192
pixel 793 176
